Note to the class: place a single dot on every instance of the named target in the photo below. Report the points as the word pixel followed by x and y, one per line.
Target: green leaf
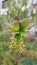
pixel 24 24
pixel 13 28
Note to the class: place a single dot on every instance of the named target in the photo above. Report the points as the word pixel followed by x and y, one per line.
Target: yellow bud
pixel 10 46
pixel 23 45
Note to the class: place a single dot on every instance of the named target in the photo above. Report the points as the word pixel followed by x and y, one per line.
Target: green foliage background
pixel 6 55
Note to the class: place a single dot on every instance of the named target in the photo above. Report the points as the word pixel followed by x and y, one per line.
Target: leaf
pixel 24 24
pixel 19 27
pixel 13 28
pixel 18 36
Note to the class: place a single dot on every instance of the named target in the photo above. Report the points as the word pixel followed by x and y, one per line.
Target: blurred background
pixel 18 32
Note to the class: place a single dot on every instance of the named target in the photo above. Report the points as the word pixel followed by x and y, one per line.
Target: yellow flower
pixel 23 45
pixel 11 47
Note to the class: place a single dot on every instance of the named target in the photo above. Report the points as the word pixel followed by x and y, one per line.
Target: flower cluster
pixel 13 45
pixel 22 48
